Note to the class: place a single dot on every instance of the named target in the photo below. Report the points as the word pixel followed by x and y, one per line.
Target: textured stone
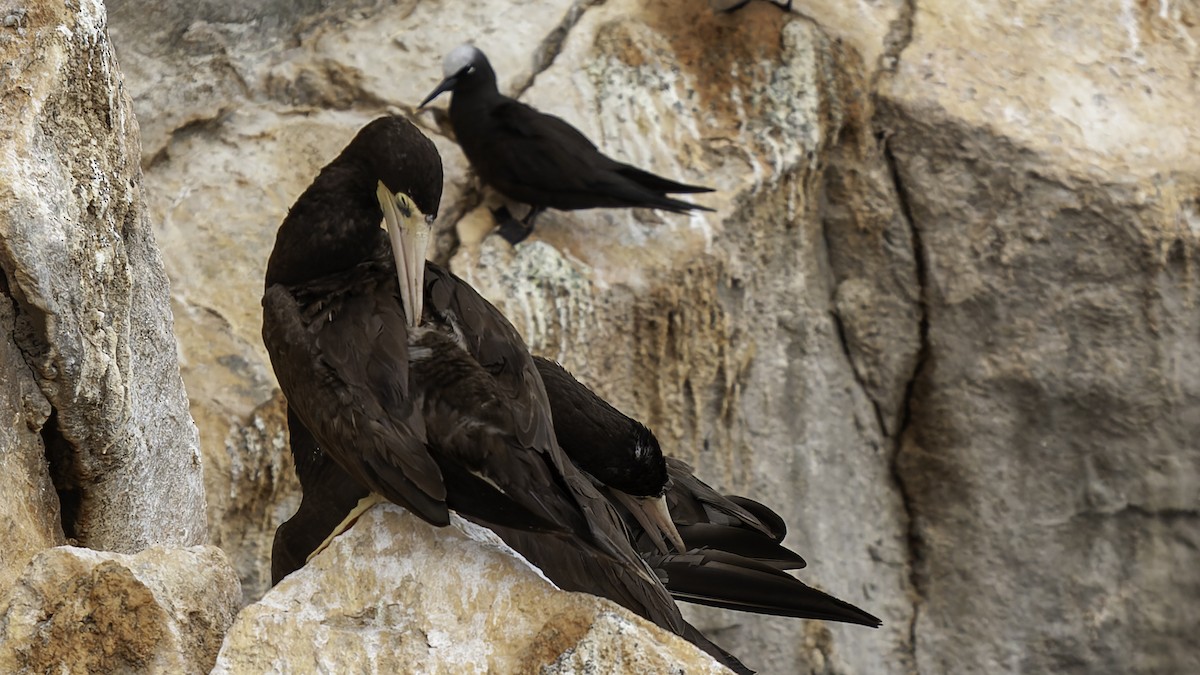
pixel 394 594
pixel 29 514
pixel 261 79
pixel 92 317
pixel 944 318
pixel 163 610
pixel 1052 171
pixel 721 330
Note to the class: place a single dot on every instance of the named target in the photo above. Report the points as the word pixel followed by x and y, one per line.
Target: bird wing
pixel 529 150
pixel 543 160
pixel 498 347
pixel 723 579
pixel 342 363
pixel 709 520
pixel 692 501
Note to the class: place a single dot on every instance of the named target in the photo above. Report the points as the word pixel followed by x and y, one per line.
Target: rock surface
pixel 29 512
pixel 88 293
pixel 944 318
pixel 396 595
pixel 75 610
pixel 1052 174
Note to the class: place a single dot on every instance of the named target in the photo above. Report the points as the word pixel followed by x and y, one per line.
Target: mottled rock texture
pixel 394 595
pixel 1049 157
pixel 90 370
pixel 945 318
pixel 74 610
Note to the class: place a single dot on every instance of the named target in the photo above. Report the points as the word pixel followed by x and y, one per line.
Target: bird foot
pixel 513 230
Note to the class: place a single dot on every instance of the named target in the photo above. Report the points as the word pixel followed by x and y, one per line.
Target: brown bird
pixel 418 389
pixel 728 551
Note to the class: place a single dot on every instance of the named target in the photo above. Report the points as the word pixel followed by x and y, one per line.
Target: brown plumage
pixel 441 411
pixel 733 556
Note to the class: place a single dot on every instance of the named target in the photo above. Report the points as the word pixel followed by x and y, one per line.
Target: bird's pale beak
pixel 446 85
pixel 655 518
pixel 408 230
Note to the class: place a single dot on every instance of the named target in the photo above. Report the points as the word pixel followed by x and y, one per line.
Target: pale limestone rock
pixel 75 610
pixel 92 318
pixel 396 595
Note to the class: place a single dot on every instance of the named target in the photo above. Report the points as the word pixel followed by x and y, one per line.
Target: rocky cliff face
pixel 97 447
pixel 98 443
pixel 945 318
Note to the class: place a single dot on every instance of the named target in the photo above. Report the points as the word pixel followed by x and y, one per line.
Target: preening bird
pixel 418 390
pixel 540 159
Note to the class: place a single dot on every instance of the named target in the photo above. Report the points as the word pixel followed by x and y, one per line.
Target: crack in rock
pixel 905 430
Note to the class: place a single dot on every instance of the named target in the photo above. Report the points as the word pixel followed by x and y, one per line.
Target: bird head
pixel 464 64
pixel 408 174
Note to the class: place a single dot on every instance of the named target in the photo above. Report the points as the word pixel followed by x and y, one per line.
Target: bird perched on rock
pixel 418 389
pixel 537 158
pixel 728 550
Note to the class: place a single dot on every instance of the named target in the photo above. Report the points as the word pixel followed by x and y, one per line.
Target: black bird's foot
pixel 513 230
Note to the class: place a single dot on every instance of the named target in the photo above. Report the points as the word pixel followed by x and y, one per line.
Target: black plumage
pixel 402 380
pixel 732 555
pixel 540 159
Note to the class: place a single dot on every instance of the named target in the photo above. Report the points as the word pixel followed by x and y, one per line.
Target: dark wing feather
pixel 745 542
pixel 339 364
pixel 657 183
pixel 692 501
pixel 577 566
pixel 498 348
pixel 328 494
pixel 708 519
pixel 542 160
pixel 722 579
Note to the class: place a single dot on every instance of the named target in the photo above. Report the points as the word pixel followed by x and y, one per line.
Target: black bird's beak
pixel 408 230
pixel 654 517
pixel 446 85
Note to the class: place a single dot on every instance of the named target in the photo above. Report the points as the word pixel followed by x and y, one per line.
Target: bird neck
pixel 332 227
pixel 479 90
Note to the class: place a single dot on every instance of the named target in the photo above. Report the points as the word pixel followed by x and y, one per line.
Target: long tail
pixel 646 189
pixel 658 183
pixel 722 579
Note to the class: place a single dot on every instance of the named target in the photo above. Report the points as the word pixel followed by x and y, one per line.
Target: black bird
pixel 537 158
pixel 418 389
pixel 731 556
